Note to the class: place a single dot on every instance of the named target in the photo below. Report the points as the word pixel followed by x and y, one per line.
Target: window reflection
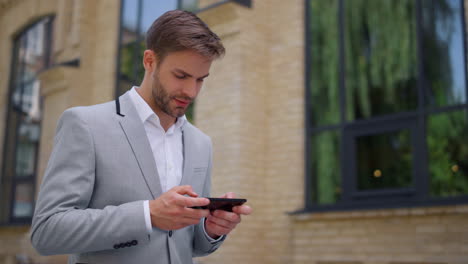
pixel 129 21
pixel 448 152
pixel 23 204
pixel 384 160
pixel 325 161
pixel 324 79
pixel 381 63
pixel 444 64
pixel 28 140
pixel 154 9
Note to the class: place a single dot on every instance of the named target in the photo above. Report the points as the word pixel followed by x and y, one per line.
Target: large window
pixel 387 111
pixel 30 56
pixel 136 17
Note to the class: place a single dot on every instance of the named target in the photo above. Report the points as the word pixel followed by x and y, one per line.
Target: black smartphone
pixel 225 204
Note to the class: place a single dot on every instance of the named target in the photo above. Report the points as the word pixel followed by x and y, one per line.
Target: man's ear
pixel 150 60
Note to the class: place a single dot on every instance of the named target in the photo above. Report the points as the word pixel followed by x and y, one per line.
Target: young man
pixel 123 175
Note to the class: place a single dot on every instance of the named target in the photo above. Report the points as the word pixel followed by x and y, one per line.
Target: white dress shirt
pixel 166 146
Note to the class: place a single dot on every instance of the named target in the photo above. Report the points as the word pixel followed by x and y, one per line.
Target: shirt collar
pixel 144 110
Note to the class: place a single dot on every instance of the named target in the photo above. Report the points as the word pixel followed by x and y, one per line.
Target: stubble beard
pixel 162 99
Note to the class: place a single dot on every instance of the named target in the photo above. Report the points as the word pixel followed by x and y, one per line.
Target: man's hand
pixel 170 210
pixel 221 222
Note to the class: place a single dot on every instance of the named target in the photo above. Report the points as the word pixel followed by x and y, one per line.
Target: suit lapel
pixel 138 140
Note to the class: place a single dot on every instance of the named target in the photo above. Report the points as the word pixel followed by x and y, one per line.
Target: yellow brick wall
pixel 411 236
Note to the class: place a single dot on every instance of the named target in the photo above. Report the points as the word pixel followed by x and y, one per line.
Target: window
pixel 31 53
pixel 386 103
pixel 136 17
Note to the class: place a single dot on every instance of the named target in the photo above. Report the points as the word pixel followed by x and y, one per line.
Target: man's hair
pixel 179 30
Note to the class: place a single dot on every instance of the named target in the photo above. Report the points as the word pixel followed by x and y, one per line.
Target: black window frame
pixel 351 199
pixel 11 107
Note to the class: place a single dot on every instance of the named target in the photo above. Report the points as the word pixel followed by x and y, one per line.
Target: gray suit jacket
pixel 100 170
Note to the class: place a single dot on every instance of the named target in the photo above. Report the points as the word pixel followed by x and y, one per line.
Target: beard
pixel 162 99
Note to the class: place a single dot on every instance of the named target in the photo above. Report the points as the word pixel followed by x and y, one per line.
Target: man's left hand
pixel 220 222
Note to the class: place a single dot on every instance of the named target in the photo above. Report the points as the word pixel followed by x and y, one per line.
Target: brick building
pixel 342 121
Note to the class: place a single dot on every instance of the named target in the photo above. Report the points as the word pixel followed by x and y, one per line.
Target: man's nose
pixel 191 89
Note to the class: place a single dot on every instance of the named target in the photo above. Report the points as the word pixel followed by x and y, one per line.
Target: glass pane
pixel 153 9
pixel 325 158
pixel 189 5
pixel 131 62
pixel 123 86
pixel 384 160
pixel 23 203
pixel 26 98
pixel 19 60
pixel 381 62
pixel 190 113
pixel 444 65
pixel 324 59
pixel 448 151
pixel 28 138
pixel 33 58
pixel 129 20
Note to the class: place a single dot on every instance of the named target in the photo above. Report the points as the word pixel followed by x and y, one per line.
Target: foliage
pixel 382 76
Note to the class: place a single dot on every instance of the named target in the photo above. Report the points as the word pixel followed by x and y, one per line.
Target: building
pixel 343 122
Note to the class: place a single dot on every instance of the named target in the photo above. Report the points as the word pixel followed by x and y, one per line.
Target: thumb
pixel 229 195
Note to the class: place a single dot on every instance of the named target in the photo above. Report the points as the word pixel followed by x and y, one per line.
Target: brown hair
pixel 179 30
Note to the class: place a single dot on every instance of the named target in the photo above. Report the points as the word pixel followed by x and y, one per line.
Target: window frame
pixel 14 113
pixel 416 196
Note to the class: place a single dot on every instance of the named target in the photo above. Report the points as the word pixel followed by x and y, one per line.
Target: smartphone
pixel 225 204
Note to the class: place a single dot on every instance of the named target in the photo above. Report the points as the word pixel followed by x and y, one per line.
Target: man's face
pixel 178 80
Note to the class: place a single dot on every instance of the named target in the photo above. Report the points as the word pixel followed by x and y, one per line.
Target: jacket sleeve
pixel 202 246
pixel 62 222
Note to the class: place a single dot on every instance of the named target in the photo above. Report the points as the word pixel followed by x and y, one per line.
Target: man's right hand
pixel 171 211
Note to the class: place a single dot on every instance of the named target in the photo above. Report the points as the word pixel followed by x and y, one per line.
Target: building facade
pixel 343 122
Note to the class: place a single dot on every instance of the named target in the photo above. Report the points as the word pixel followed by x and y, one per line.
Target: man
pixel 123 175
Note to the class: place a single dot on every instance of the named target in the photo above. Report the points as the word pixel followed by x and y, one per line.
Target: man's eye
pixel 180 76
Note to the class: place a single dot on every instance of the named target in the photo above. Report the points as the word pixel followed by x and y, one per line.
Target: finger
pixel 221 223
pixel 196 213
pixel 216 229
pixel 185 189
pixel 190 221
pixel 227 216
pixel 242 210
pixel 191 202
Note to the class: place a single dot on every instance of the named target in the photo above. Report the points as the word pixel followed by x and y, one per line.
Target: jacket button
pixel 122 245
pixel 128 244
pixel 170 233
pixel 134 242
pixel 116 246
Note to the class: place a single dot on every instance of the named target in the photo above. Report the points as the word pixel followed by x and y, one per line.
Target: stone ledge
pixel 6 230
pixel 382 213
